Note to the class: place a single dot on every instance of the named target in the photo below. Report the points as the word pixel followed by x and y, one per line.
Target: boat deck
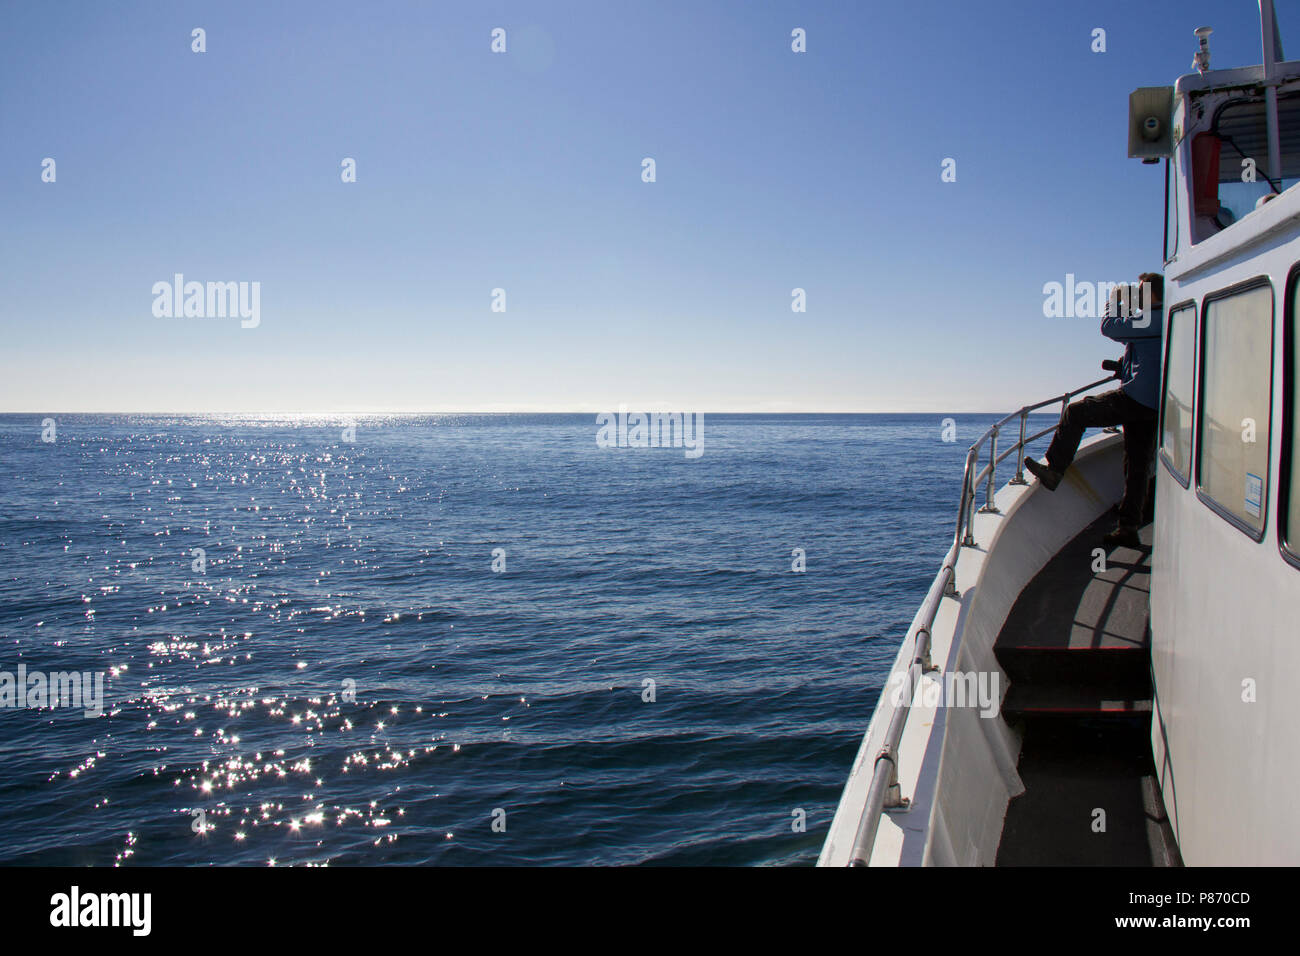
pixel 1076 647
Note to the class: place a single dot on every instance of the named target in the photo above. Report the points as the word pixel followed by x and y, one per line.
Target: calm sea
pixel 341 676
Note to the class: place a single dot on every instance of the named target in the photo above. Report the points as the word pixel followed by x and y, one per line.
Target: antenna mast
pixel 1272 55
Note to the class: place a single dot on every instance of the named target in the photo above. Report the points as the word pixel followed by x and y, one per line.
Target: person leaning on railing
pixel 1132 405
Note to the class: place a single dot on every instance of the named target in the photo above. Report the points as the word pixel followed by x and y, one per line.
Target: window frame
pixel 1168 254
pixel 1260 281
pixel 1289 447
pixel 1184 480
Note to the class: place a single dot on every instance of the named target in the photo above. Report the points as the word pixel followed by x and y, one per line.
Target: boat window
pixel 1291 531
pixel 1230 173
pixel 1176 410
pixel 1171 206
pixel 1236 385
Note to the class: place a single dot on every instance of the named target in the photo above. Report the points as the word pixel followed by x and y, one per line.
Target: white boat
pixel 1143 711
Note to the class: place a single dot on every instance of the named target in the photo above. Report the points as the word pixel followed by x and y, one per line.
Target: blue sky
pixel 522 171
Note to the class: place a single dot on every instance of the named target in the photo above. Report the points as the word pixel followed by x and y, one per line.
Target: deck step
pixel 1071 772
pixel 1118 673
pixel 1072 701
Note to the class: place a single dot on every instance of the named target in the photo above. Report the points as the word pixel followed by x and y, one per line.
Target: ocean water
pixel 347 680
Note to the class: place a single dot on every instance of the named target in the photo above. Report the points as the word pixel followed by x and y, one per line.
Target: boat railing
pixel 884 792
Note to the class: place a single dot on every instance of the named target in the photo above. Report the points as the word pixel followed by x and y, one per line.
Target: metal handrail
pixel 884 792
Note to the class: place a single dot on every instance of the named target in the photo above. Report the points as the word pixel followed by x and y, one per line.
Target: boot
pixel 1046 476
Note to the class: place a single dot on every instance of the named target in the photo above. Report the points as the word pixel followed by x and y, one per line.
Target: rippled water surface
pixel 348 681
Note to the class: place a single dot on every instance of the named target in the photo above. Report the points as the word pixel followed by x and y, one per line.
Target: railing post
pixel 990 508
pixel 894 799
pixel 950 589
pixel 1020 452
pixel 968 503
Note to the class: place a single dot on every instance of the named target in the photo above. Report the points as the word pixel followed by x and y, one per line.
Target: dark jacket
pixel 1141 335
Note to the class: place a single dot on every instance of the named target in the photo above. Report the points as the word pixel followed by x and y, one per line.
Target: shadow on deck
pixel 1076 647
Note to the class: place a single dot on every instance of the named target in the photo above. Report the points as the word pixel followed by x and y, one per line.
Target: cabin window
pixel 1176 409
pixel 1229 162
pixel 1236 406
pixel 1291 530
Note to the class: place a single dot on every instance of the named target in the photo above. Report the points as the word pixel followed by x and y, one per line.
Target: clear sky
pixel 523 171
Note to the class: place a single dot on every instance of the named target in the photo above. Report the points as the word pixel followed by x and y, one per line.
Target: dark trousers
pixel 1101 411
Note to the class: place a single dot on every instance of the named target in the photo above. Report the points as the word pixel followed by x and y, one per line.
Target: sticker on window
pixel 1254 495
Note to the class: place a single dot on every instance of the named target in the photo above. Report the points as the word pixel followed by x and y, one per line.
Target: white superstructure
pixel 941 784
